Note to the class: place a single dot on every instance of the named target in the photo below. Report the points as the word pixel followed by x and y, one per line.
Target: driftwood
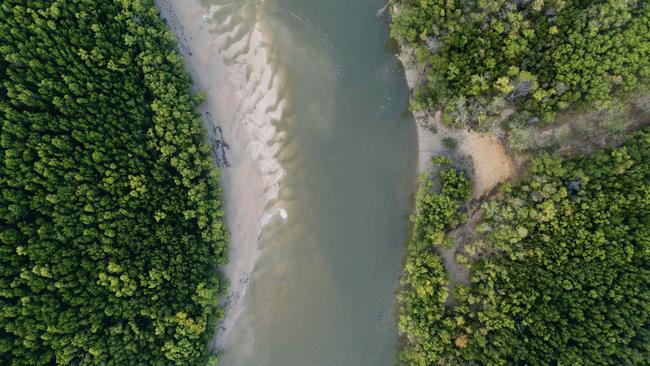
pixel 219 145
pixel 384 10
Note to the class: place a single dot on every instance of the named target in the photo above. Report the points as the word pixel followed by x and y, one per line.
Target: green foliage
pixel 449 143
pixel 565 279
pixel 441 160
pixel 541 56
pixel 422 313
pixel 110 216
pixel 436 211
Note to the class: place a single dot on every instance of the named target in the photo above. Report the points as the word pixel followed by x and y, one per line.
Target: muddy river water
pixel 313 104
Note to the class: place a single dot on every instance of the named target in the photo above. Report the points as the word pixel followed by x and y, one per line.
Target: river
pixel 321 287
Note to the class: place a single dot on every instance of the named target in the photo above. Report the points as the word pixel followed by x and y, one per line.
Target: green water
pixel 323 289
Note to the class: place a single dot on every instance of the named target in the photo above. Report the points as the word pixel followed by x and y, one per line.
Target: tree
pixel 111 225
pixel 561 276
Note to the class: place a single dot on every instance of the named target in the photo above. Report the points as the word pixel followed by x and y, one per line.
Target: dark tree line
pixel 110 215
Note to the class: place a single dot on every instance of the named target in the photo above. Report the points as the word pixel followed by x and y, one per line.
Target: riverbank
pixel 490 163
pixel 228 59
pixel 481 155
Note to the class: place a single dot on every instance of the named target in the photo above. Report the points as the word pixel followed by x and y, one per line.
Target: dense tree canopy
pixel 538 56
pixel 110 216
pixel 423 318
pixel 560 277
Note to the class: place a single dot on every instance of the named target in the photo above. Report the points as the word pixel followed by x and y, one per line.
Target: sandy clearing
pixel 491 163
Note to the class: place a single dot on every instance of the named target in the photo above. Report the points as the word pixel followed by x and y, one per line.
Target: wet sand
pixel 228 56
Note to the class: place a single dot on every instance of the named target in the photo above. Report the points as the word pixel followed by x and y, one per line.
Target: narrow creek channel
pixel 320 290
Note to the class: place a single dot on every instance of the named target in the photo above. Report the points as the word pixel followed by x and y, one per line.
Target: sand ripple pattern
pixel 257 84
pixel 258 87
pixel 232 59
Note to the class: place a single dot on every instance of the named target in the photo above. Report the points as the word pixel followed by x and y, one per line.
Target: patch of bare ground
pixel 488 161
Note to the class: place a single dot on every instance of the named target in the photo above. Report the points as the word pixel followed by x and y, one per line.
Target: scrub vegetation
pixel 486 59
pixel 558 261
pixel 110 216
pixel 559 267
pixel 423 317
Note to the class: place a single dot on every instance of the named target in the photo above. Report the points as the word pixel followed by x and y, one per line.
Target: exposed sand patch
pixel 491 164
pixel 226 52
